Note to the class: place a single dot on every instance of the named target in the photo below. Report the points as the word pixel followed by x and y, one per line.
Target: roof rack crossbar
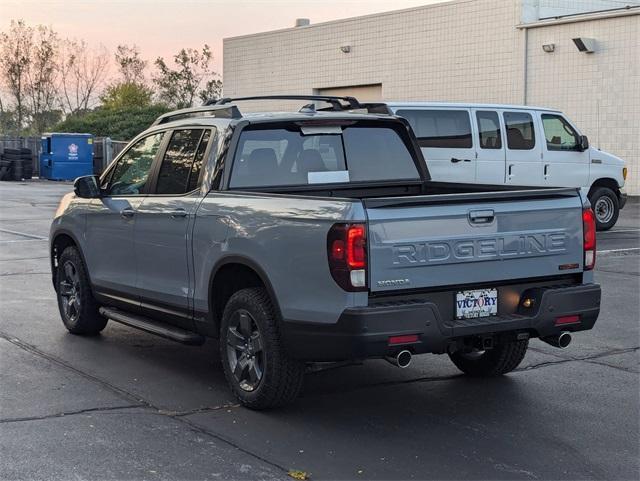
pixel 336 102
pixel 220 111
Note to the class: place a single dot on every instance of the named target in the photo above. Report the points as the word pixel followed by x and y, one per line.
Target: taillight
pixel 589 241
pixel 347 253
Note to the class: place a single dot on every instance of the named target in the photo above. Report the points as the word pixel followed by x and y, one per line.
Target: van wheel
pixel 256 366
pixel 503 358
pixel 78 308
pixel 606 207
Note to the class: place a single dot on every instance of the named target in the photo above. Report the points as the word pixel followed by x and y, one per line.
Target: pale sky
pixel 162 27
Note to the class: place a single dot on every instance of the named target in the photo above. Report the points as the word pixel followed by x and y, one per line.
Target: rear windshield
pixel 320 155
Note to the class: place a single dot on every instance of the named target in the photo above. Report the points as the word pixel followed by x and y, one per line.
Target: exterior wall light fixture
pixel 586 45
pixel 549 47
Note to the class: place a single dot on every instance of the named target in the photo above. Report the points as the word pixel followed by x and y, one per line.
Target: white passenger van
pixel 518 145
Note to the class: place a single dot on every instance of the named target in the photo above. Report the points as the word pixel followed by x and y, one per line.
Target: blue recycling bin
pixel 66 156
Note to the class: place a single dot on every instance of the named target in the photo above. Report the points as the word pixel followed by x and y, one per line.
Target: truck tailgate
pixel 457 239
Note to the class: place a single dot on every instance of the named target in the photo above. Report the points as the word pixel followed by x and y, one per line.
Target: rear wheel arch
pixel 231 275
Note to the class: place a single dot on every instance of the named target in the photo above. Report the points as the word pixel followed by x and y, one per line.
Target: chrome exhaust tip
pixel 561 340
pixel 401 360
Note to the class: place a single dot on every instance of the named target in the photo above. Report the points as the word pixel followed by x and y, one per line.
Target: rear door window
pixel 520 132
pixel 448 129
pixel 182 161
pixel 280 157
pixel 489 130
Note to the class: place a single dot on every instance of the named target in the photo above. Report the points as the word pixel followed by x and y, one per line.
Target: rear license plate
pixel 476 303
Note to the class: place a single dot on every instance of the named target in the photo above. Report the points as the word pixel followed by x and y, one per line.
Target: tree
pixel 29 71
pixel 130 66
pixel 191 79
pixel 126 94
pixel 41 76
pixel 121 123
pixel 15 58
pixel 82 72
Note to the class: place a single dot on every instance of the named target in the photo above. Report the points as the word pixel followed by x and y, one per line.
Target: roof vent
pixel 302 22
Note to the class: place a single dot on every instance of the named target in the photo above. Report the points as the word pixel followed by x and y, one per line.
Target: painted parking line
pixel 22 240
pixel 28 236
pixel 615 251
pixel 618 231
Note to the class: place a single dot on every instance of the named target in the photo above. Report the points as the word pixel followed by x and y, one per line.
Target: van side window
pixel 489 130
pixel 449 129
pixel 520 132
pixel 559 133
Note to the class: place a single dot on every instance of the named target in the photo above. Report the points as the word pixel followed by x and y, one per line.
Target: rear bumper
pixel 364 332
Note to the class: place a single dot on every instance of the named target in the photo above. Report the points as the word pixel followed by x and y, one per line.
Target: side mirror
pixel 584 143
pixel 87 187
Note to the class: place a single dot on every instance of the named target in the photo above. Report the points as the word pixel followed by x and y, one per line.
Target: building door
pixel 364 93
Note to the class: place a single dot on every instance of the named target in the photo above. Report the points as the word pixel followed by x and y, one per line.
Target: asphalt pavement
pixel 128 405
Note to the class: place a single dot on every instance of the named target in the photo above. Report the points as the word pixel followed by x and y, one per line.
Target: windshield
pixel 325 155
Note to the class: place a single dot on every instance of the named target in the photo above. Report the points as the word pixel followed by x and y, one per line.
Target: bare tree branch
pixel 82 73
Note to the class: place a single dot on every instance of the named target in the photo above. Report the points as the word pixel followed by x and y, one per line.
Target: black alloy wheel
pixel 70 292
pixel 245 350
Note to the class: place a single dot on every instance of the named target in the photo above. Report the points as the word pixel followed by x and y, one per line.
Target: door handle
pixel 455 161
pixel 178 213
pixel 546 169
pixel 509 173
pixel 481 216
pixel 127 213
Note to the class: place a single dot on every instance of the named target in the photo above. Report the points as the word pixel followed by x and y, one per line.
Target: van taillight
pixel 589 241
pixel 347 253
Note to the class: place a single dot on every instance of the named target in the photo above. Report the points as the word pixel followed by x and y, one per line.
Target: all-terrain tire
pixel 282 376
pixel 503 358
pixel 606 207
pixel 78 308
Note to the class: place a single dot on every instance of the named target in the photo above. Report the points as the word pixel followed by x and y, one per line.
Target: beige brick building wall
pixel 465 50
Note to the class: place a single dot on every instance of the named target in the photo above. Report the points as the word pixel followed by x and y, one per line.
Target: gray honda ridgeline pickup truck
pixel 317 236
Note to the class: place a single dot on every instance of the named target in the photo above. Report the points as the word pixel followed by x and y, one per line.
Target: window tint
pixel 489 130
pixel 440 128
pixel 520 133
pixel 177 163
pixel 194 176
pixel 559 133
pixel 279 157
pixel 132 170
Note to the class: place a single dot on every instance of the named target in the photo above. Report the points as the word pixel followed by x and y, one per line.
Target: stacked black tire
pixel 16 164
